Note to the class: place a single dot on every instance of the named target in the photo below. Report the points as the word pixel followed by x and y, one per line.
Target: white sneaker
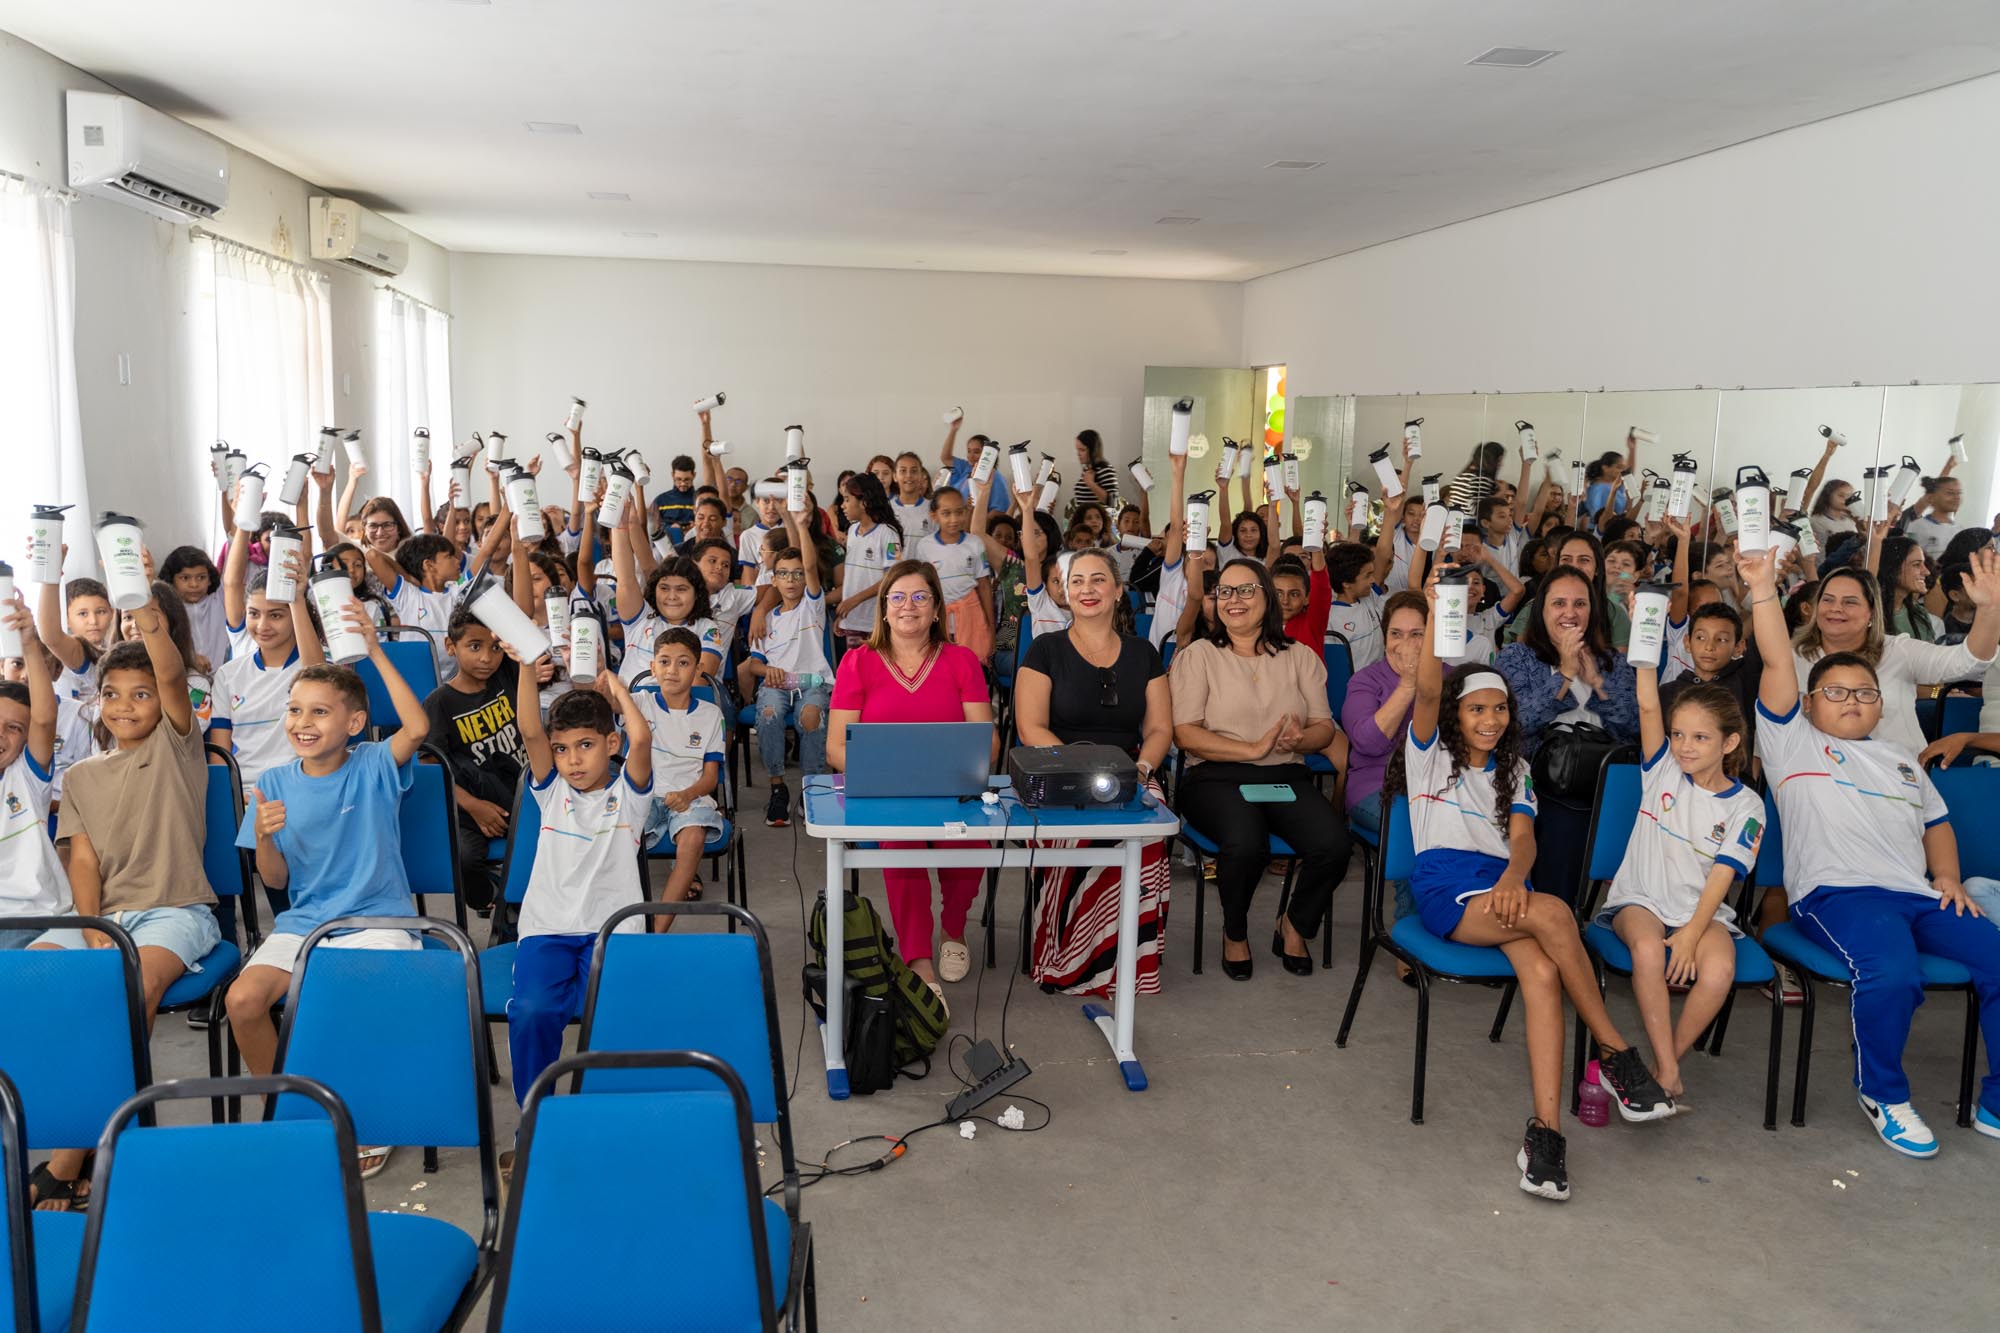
pixel 954 961
pixel 1900 1126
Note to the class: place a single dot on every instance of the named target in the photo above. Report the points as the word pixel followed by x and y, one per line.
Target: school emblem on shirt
pixel 889 549
pixel 1907 773
pixel 611 804
pixel 1716 834
pixel 694 738
pixel 1752 831
pixel 235 701
pixel 1666 801
pixel 13 804
pixel 1834 754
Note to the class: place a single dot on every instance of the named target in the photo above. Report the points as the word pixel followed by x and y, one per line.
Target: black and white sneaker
pixel 778 811
pixel 1634 1091
pixel 1544 1172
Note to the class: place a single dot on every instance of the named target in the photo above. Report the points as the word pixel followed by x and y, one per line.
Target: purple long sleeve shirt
pixel 1369 749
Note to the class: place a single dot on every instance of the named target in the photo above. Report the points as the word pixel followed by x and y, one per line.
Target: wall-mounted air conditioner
pixel 344 232
pixel 124 150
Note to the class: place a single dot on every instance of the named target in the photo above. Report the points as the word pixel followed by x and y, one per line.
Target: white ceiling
pixel 1016 137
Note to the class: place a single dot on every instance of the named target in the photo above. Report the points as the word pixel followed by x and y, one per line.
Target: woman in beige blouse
pixel 1249 705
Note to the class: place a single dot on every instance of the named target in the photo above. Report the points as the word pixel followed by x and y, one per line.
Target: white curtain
pixel 412 389
pixel 43 453
pixel 264 352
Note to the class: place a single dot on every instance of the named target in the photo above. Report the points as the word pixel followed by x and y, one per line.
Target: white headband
pixel 1482 680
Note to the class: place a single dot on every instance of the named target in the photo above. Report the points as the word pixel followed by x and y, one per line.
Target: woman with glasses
pixel 1093 685
pixel 1249 704
pixel 907 671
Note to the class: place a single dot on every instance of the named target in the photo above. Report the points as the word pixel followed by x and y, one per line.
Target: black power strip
pixel 992 1075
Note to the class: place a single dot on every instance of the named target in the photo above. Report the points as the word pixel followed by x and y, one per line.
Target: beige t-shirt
pixel 1239 698
pixel 143 810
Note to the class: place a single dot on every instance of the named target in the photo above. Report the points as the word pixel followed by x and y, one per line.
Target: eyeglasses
pixel 1107 694
pixel 378 527
pixel 788 574
pixel 1236 592
pixel 907 598
pixel 1840 694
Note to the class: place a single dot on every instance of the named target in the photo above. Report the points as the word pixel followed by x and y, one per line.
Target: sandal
pixel 374 1160
pixel 50 1188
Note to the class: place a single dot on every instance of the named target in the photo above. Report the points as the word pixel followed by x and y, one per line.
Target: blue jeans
pixel 18 939
pixel 550 974
pixel 1367 813
pixel 777 709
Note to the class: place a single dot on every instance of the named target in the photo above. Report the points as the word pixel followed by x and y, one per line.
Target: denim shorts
pixel 186 932
pixel 663 824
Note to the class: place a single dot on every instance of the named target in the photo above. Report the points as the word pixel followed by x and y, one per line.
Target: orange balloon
pixel 1281 386
pixel 1274 438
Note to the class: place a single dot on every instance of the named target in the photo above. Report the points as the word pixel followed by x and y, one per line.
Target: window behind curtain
pixel 44 453
pixel 412 389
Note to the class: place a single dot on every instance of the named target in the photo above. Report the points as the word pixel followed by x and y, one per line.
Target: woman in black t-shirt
pixel 1091 684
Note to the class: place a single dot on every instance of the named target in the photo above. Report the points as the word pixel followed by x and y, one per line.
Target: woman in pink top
pixel 908 672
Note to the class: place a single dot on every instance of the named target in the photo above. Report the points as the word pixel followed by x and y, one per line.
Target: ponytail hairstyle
pixel 1823 504
pixel 1506 755
pixel 1720 704
pixel 866 487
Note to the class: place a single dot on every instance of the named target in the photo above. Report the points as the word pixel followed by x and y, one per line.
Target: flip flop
pixel 374 1160
pixel 51 1188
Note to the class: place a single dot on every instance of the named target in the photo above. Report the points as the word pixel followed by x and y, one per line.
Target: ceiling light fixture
pixel 553 127
pixel 1292 164
pixel 642 235
pixel 1513 57
pixel 610 196
pixel 1175 221
pixel 1107 252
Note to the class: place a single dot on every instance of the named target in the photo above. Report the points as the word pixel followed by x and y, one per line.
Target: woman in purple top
pixel 1376 716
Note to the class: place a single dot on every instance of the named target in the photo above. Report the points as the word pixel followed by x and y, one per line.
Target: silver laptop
pixel 902 759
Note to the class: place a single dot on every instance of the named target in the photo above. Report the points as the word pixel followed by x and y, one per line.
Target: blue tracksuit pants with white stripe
pixel 1880 932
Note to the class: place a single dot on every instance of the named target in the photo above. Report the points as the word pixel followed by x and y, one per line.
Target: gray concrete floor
pixel 1268 1180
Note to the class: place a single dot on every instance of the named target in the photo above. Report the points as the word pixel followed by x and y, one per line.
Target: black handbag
pixel 1569 759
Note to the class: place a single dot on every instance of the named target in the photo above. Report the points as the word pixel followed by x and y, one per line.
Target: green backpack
pixel 895 1021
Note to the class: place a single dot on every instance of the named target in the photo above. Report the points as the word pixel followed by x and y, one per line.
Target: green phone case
pixel 1266 793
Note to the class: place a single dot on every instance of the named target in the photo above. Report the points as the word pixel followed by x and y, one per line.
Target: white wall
pixel 132 297
pixel 867 359
pixel 1856 249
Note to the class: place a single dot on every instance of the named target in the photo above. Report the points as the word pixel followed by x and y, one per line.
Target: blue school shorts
pixel 1444 878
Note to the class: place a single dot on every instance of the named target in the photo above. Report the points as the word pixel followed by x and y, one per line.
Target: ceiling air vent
pixel 1513 57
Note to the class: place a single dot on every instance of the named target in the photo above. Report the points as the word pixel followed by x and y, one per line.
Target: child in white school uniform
pixel 1871 863
pixel 787 672
pixel 687 747
pixel 1697 833
pixel 1462 768
pixel 32 880
pixel 252 689
pixel 963 572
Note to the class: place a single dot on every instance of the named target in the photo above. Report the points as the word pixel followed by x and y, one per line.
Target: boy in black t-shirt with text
pixel 473 722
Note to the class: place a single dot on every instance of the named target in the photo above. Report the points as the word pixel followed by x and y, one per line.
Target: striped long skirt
pixel 1076 924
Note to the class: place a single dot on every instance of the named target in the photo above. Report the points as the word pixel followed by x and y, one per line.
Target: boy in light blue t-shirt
pixel 327 828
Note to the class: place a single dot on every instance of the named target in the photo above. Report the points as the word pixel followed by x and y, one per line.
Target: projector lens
pixel 1104 784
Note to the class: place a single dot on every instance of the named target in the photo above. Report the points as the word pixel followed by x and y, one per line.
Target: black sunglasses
pixel 1107 695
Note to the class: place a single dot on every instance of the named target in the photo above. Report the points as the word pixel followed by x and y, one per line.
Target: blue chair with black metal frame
pixel 74 1042
pixel 398 1036
pixel 42 1247
pixel 428 819
pixel 723 848
pixel 153 1181
pixel 1429 958
pixel 577 1257
pixel 1815 966
pixel 1620 789
pixel 413 651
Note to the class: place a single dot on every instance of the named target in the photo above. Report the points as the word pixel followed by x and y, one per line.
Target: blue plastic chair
pixel 42 1247
pixel 74 1041
pixel 1615 813
pixel 1205 851
pixel 1970 792
pixel 722 848
pixel 428 819
pixel 1429 958
pixel 1960 712
pixel 397 1035
pixel 1339 659
pixel 496 961
pixel 577 1256
pixel 153 1182
pixel 410 649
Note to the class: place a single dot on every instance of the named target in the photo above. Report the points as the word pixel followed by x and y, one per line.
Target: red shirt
pixel 1309 626
pixel 868 685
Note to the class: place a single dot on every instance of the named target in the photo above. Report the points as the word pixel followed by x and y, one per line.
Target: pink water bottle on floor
pixel 1595 1102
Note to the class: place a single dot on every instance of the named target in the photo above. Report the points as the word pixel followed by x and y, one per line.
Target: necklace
pixel 912 681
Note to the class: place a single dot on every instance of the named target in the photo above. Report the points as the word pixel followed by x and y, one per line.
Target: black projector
pixel 1084 776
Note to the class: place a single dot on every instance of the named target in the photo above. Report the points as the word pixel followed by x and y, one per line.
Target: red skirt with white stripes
pixel 1076 923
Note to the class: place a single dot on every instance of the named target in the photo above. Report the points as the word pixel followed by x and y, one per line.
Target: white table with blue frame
pixel 972 833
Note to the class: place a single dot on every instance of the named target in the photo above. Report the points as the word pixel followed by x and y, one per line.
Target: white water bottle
pixel 420 451
pixel 496 450
pixel 1454 531
pixel 953 417
pixel 1577 484
pixel 1413 438
pixel 10 638
pixel 555 603
pixel 1385 472
pixel 493 608
pixel 718 447
pixel 293 488
pixel 1141 474
pixel 641 474
pixel 1432 489
pixel 1315 522
pixel 558 441
pixel 795 484
pixel 1045 471
pixel 285 544
pixel 218 454
pixel 586 640
pixel 1753 508
pixel 1227 467
pixel 989 457
pixel 461 483
pixel 1634 483
pixel 1658 491
pixel 1642 437
pixel 1829 433
pixel 1878 492
pixel 1957 446
pixel 234 464
pixel 617 490
pixel 589 476
pixel 45 539
pixel 1649 623
pixel 575 419
pixel 1246 459
pixel 1274 475
pixel 352 439
pixel 1448 638
pixel 1808 541
pixel 1197 520
pixel 1907 477
pixel 1054 489
pixel 1681 491
pixel 1291 472
pixel 1784 540
pixel 710 403
pixel 795 444
pixel 250 499
pixel 1723 507
pixel 1177 440
pixel 1529 450
pixel 1022 468
pixel 331 592
pixel 523 499
pixel 1435 518
pixel 1357 505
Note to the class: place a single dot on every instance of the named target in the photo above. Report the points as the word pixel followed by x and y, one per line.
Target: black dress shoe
pixel 1236 970
pixel 1298 967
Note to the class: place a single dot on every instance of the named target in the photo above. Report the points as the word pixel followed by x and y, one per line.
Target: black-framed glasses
pixel 1107 692
pixel 1236 592
pixel 1840 694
